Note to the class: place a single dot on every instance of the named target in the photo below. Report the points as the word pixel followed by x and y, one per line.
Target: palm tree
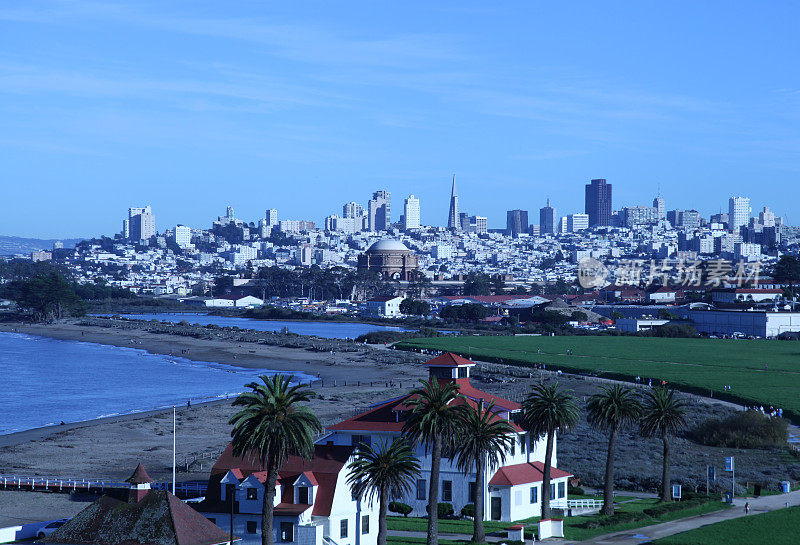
pixel 272 425
pixel 484 440
pixel 386 471
pixel 663 414
pixel 546 409
pixel 435 422
pixel 613 408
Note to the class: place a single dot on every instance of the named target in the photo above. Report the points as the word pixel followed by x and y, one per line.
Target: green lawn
pixel 776 528
pixel 572 525
pixel 696 365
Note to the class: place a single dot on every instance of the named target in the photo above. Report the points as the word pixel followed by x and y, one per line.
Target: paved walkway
pixel 656 531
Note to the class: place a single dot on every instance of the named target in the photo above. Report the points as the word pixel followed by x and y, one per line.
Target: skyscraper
pixel 141 223
pixel 272 217
pixel 516 222
pixel 547 215
pixel 352 210
pixel 379 211
pixel 411 213
pixel 661 208
pixel 738 213
pixel 453 221
pixel 598 202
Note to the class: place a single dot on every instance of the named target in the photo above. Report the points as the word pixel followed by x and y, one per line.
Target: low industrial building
pixel 756 323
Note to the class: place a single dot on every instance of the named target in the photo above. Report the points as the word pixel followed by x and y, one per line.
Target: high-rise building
pixel 633 216
pixel 411 213
pixel 379 211
pixel 478 225
pixel 577 222
pixel 547 216
pixel 352 210
pixel 272 217
pixel 598 202
pixel 453 221
pixel 516 222
pixel 141 223
pixel 183 236
pixel 738 213
pixel 766 217
pixel 661 208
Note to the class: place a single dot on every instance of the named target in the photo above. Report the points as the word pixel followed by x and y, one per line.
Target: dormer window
pixel 252 493
pixel 304 495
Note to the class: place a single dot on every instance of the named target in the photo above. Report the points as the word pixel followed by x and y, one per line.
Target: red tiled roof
pixel 531 472
pixel 139 476
pixel 290 509
pixel 448 359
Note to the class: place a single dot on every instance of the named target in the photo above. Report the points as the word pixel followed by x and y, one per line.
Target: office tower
pixel 379 211
pixel 411 213
pixel 738 213
pixel 452 216
pixel 229 213
pixel 598 202
pixel 478 225
pixel 126 229
pixel 577 222
pixel 272 217
pixel 352 210
pixel 141 223
pixel 766 217
pixel 463 221
pixel 660 206
pixel 183 236
pixel 633 216
pixel 516 222
pixel 547 217
pixel 561 225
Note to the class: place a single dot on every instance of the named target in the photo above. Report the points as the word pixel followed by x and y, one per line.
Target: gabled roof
pixel 158 519
pixel 531 472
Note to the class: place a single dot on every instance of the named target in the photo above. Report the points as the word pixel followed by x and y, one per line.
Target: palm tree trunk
pixel 478 533
pixel 548 459
pixel 382 530
pixel 665 495
pixel 608 488
pixel 433 492
pixel 268 502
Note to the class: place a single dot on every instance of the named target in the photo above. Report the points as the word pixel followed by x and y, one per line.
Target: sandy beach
pixel 349 381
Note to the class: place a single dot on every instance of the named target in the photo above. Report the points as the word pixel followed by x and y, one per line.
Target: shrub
pixel 468 510
pixel 575 491
pixel 621 517
pixel 745 429
pixel 400 508
pixel 444 509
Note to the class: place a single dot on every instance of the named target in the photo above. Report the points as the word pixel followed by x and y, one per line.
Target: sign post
pixel 676 492
pixel 730 465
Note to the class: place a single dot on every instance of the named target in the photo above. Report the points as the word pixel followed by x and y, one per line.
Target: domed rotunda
pixel 391 259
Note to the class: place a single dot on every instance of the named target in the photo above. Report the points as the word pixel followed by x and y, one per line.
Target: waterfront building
pixel 383 307
pixel 512 490
pixel 598 202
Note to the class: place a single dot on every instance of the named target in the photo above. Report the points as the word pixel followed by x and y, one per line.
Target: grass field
pixel 572 525
pixel 697 365
pixel 776 528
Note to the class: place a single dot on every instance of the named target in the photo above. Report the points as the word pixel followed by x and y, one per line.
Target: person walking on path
pixel 747 508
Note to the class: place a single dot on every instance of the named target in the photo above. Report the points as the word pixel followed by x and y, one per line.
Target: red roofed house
pixel 513 490
pixel 313 503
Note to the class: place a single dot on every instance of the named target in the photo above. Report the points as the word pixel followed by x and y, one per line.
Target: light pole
pixel 231 484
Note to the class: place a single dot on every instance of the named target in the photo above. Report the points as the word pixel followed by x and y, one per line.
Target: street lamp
pixel 231 483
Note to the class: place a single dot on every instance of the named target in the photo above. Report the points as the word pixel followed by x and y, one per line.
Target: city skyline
pixel 251 105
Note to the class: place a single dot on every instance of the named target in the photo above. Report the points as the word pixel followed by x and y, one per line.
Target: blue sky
pixel 302 106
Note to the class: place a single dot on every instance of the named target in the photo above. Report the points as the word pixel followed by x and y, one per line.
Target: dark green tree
pixel 663 415
pixel 387 471
pixel 613 408
pixel 271 426
pixel 787 271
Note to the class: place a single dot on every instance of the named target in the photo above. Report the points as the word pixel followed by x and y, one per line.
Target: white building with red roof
pixel 513 490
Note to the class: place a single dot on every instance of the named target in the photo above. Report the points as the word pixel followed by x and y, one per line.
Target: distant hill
pixel 19 245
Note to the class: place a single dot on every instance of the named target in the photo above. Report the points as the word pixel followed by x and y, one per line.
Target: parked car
pixel 50 527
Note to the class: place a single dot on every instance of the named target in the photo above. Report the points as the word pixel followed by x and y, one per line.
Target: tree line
pixel 273 424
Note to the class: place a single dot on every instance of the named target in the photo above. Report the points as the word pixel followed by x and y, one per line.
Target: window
pixel 252 493
pixel 361 439
pixel 302 495
pixel 472 492
pixel 534 495
pixel 522 443
pixel 552 491
pixel 562 489
pixel 421 486
pixel 252 527
pixel 513 447
pixel 447 490
pixel 212 520
pixel 463 372
pixel 365 524
pixel 343 528
pixel 287 531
